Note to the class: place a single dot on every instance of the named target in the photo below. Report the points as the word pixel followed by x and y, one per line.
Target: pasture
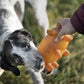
pixel 71 69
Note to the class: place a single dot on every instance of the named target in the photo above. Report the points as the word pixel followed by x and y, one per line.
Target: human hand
pixel 65 27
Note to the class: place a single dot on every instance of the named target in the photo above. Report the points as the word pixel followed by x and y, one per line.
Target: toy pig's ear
pixel 49 32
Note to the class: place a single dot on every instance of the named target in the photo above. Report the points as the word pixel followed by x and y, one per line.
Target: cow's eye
pixel 27 46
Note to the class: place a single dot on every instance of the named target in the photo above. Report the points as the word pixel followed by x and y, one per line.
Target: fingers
pixel 66 28
pixel 60 23
pixel 60 34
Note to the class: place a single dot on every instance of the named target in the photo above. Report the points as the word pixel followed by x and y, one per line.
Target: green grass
pixel 71 69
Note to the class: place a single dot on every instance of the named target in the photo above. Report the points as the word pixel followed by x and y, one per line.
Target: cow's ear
pixel 7 66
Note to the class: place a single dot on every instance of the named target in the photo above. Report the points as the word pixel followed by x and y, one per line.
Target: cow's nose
pixel 38 63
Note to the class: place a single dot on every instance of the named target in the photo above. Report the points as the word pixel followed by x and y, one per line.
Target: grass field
pixel 71 69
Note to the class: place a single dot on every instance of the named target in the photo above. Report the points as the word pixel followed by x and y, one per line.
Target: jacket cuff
pixel 77 20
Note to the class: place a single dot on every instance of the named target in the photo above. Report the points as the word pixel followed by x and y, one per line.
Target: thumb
pixel 60 34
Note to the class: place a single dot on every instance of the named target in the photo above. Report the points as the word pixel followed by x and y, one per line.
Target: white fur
pixel 1 71
pixel 39 7
pixel 12 23
pixel 36 76
pixel 13 2
pixel 21 5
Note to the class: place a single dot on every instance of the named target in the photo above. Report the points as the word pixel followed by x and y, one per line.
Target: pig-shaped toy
pixel 52 51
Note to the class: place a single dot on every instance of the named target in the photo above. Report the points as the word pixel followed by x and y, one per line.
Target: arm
pixel 72 25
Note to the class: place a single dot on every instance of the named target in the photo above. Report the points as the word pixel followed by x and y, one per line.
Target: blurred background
pixel 71 69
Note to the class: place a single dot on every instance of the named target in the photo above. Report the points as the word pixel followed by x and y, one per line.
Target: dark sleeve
pixel 77 19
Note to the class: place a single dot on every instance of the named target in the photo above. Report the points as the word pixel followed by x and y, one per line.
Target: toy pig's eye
pixel 27 46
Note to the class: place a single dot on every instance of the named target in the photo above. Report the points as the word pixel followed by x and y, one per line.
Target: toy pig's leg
pixel 55 65
pixel 66 52
pixel 58 54
pixel 51 66
pixel 48 66
pixel 68 37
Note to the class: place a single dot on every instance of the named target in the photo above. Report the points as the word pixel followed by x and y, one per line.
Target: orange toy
pixel 52 51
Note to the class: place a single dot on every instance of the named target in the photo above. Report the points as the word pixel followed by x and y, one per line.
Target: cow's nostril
pixel 42 66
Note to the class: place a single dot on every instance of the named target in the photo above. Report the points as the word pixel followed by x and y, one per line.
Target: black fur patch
pixel 21 37
pixel 5 57
pixel 7 66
